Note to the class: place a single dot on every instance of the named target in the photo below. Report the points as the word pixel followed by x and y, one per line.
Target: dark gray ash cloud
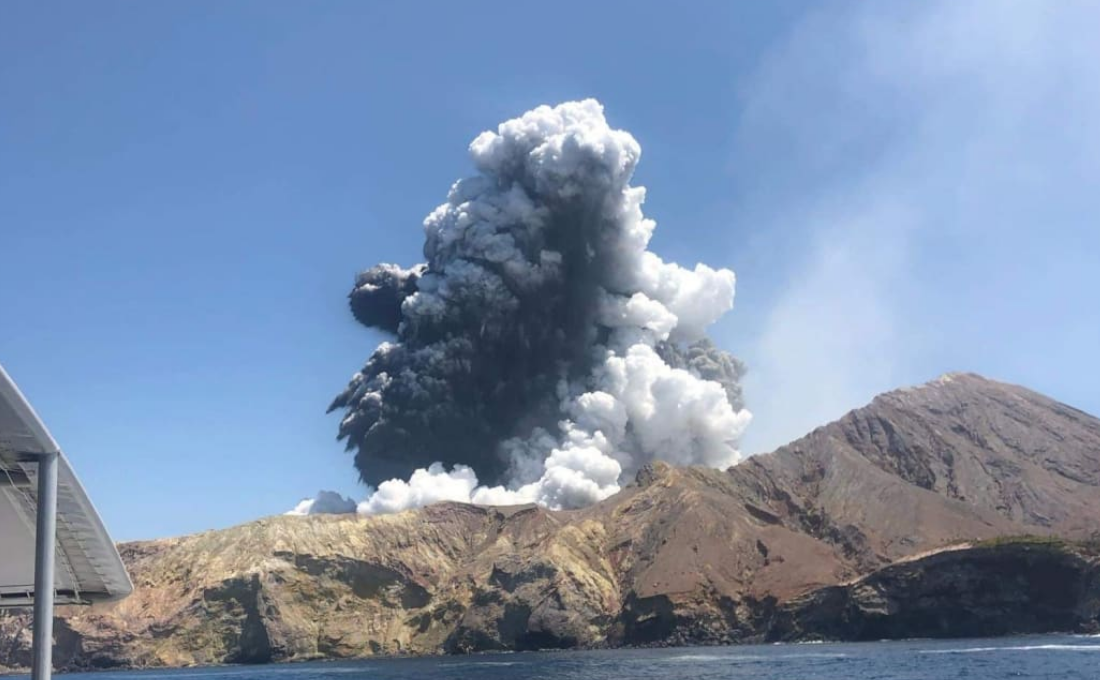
pixel 541 351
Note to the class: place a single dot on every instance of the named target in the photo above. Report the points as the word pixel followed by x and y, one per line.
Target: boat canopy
pixel 88 568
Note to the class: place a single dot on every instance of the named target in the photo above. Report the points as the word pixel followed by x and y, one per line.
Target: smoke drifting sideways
pixel 324 503
pixel 542 352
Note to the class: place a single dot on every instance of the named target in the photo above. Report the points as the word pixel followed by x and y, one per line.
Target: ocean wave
pixel 708 658
pixel 1015 648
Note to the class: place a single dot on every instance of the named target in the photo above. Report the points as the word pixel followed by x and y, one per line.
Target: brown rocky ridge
pixel 814 540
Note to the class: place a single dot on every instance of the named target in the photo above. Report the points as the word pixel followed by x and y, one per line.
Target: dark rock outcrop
pixel 1004 587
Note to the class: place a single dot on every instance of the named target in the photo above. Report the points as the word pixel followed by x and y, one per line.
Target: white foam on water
pixel 710 658
pixel 227 671
pixel 707 658
pixel 1018 648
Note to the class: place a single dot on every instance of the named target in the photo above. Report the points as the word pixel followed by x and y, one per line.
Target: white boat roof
pixel 88 567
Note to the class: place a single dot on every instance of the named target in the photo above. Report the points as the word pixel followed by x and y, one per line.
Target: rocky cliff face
pixel 1023 585
pixel 682 556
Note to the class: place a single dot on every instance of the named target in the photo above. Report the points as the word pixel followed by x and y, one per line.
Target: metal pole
pixel 45 541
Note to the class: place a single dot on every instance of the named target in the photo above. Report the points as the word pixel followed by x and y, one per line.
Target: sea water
pixel 1067 657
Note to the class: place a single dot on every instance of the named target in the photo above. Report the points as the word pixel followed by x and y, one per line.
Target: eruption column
pixel 541 348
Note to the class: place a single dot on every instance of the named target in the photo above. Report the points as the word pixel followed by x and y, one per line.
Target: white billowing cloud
pixel 302 508
pixel 689 421
pixel 637 311
pixel 697 297
pixel 572 477
pixel 425 486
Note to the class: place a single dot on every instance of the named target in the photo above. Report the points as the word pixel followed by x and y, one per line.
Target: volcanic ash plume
pixel 541 349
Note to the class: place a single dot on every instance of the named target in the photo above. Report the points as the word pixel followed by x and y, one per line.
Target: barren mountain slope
pixel 997 448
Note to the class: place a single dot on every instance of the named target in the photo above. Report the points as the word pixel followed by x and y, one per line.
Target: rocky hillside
pixel 682 556
pixel 997 448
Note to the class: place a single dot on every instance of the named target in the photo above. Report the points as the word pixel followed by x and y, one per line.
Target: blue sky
pixel 187 190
